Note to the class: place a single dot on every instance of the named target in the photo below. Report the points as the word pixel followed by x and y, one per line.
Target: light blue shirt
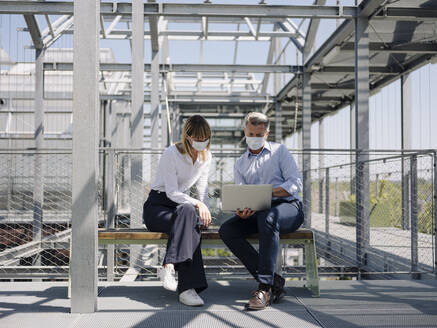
pixel 273 165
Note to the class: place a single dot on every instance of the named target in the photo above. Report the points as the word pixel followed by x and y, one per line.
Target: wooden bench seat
pixel 142 236
pixel 116 236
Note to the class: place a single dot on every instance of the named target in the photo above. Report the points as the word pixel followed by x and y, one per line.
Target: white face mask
pixel 200 145
pixel 255 143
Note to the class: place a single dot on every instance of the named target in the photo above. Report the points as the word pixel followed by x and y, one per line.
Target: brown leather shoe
pixel 260 300
pixel 278 291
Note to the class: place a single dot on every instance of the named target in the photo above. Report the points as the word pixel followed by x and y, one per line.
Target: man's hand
pixel 244 214
pixel 204 214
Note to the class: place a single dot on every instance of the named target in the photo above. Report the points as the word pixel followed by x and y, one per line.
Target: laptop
pixel 255 197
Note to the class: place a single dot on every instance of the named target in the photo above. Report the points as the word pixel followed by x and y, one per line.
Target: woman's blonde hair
pixel 198 128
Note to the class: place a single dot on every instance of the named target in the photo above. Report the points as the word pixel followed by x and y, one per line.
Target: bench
pixel 144 237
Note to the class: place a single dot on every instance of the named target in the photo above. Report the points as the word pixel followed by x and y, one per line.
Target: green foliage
pixel 208 252
pixel 211 252
pixel 386 206
pixel 424 219
pixel 223 252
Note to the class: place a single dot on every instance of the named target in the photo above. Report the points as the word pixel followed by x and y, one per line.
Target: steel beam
pixel 49 39
pixel 106 67
pixel 34 31
pixel 351 69
pixel 85 157
pixel 196 35
pixel 405 13
pixel 250 26
pixel 325 86
pixel 313 26
pixel 411 48
pixel 298 38
pixel 366 9
pixel 297 11
pixel 184 10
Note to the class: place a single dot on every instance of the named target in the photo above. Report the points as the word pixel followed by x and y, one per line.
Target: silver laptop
pixel 255 197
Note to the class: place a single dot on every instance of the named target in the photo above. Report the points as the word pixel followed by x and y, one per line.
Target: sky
pixel 384 106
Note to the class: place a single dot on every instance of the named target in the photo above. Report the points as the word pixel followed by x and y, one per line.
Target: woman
pixel 170 209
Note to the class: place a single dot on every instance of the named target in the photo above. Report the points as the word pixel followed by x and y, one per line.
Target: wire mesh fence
pixel 375 216
pixel 35 214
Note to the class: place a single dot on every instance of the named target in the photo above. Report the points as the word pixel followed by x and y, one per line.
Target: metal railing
pixel 372 213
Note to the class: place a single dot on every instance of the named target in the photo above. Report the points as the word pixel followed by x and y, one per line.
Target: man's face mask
pixel 255 143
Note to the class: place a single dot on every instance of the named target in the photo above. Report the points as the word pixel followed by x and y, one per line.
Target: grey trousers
pixel 181 223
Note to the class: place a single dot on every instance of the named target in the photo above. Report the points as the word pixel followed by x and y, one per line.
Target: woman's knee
pixel 187 208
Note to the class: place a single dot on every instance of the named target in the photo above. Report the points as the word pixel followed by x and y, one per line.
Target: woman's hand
pixel 205 215
pixel 244 214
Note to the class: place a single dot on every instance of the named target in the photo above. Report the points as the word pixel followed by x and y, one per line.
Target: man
pixel 264 162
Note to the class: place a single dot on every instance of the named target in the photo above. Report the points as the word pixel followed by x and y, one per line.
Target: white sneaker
pixel 190 298
pixel 167 276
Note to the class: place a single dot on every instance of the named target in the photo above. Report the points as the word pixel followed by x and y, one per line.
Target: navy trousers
pixel 182 224
pixel 282 217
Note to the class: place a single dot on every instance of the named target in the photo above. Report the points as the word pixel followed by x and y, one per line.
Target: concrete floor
pixel 366 303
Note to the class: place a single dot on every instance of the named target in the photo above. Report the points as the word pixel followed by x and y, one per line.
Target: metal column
pixel 405 144
pixel 327 212
pixel 435 212
pixel 362 138
pixel 276 45
pixel 306 144
pixel 154 109
pixel 176 120
pixel 414 211
pixel 278 122
pixel 85 156
pixel 137 128
pixel 299 146
pixel 137 118
pixel 109 186
pixel 353 145
pixel 38 183
pixel 321 162
pixel 165 112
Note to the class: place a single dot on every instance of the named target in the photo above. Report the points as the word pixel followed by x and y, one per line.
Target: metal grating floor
pixel 366 303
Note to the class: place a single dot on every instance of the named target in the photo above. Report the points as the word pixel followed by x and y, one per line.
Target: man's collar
pixel 266 146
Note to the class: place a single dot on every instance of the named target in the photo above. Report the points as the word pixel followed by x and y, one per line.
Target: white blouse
pixel 177 174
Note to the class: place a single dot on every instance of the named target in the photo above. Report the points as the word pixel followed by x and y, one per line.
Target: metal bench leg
pixel 312 274
pixel 279 260
pixel 69 272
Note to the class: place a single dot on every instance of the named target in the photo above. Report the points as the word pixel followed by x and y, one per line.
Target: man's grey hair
pixel 256 118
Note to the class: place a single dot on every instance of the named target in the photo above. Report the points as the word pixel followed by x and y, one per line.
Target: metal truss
pixel 332 83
